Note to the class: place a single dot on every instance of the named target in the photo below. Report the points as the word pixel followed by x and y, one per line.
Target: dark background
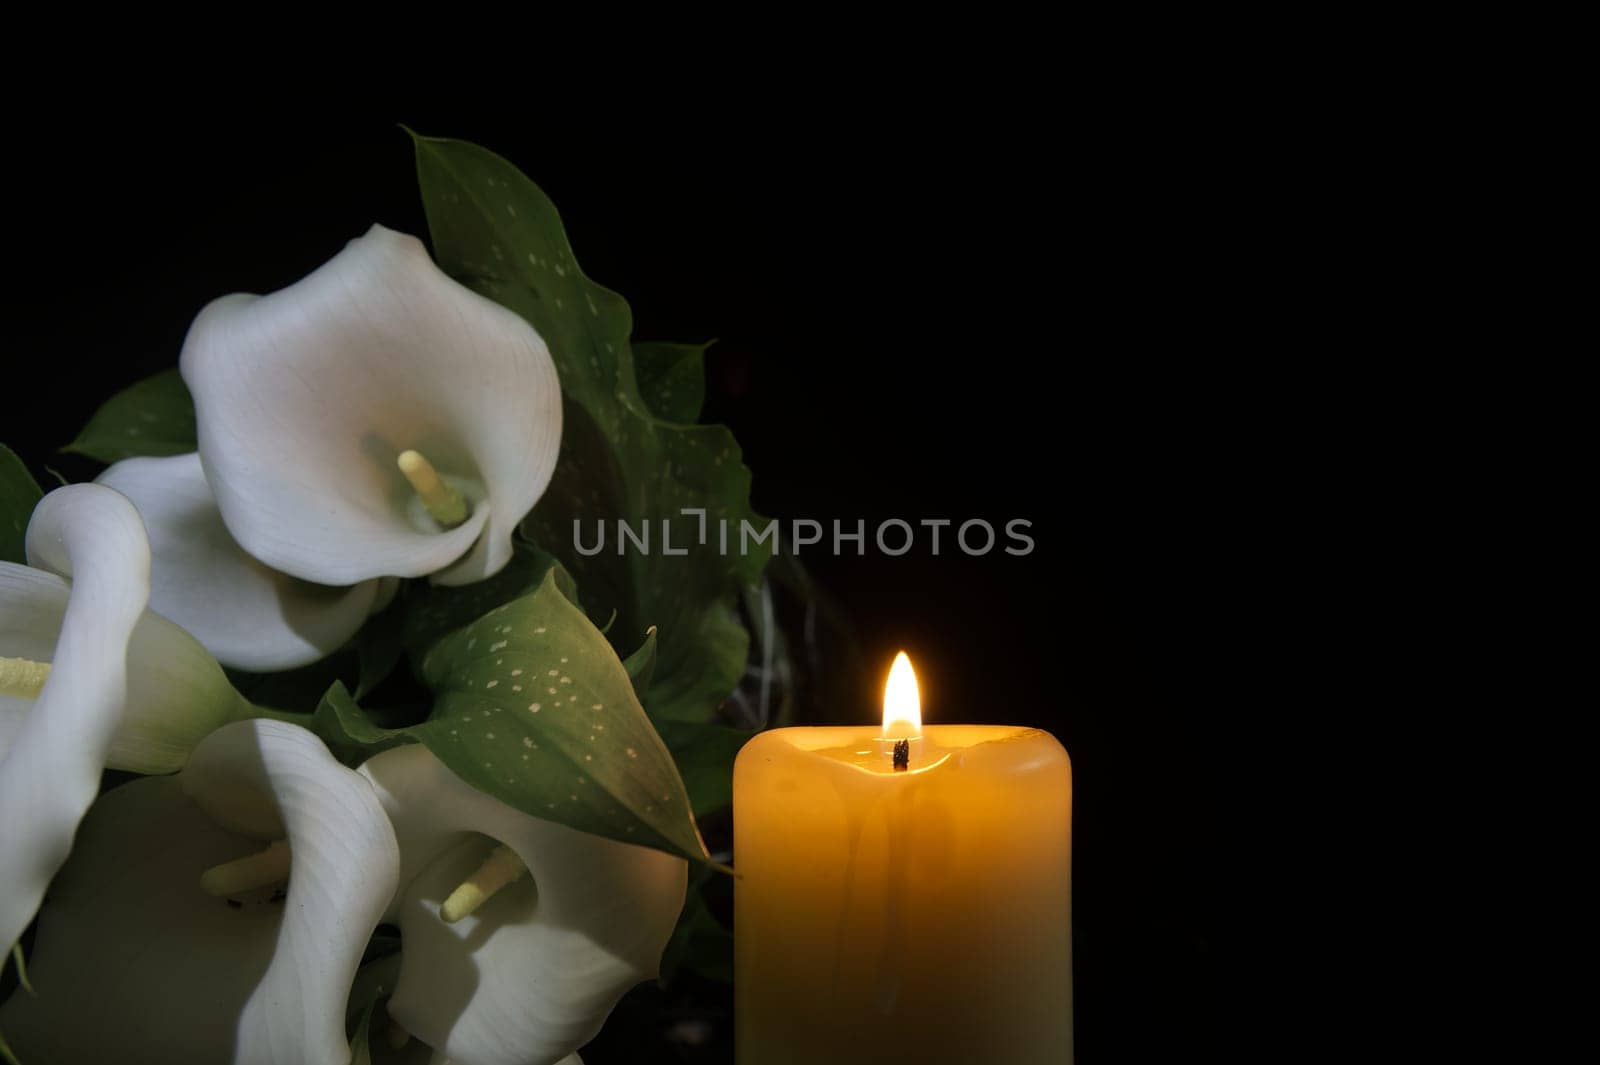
pixel 918 317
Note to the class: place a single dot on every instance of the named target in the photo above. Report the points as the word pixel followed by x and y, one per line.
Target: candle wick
pixel 902 755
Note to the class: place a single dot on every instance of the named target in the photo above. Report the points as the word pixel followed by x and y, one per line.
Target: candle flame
pixel 902 705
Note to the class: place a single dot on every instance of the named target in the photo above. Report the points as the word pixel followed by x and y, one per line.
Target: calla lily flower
pixel 164 940
pixel 88 679
pixel 374 419
pixel 247 615
pixel 518 935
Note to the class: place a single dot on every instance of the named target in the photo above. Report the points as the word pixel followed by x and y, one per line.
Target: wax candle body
pixel 921 916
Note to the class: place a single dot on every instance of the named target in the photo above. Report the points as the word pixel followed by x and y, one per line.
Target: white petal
pixel 533 974
pixel 176 693
pixel 135 964
pixel 248 615
pixel 51 772
pixel 305 398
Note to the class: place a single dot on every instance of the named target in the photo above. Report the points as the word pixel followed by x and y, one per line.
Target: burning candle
pixel 904 893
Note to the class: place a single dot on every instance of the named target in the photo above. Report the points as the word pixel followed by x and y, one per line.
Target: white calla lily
pixel 135 963
pixel 88 679
pixel 249 616
pixel 154 687
pixel 310 400
pixel 532 970
pixel 54 739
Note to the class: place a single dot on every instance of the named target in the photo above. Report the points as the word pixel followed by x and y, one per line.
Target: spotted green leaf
pixel 19 492
pixel 435 611
pixel 154 416
pixel 533 707
pixel 672 379
pixel 497 232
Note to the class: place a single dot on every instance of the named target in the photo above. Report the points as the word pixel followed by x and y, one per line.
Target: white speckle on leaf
pixel 526 742
pixel 534 707
pixel 516 672
pixel 491 684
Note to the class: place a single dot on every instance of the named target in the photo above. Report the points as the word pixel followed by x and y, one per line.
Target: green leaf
pixel 704 755
pixel 20 960
pixel 699 943
pixel 641 665
pixel 16 957
pixel 434 611
pixel 672 379
pixel 378 648
pixel 350 734
pixel 534 707
pixel 19 494
pixel 154 416
pixel 361 1046
pixel 498 233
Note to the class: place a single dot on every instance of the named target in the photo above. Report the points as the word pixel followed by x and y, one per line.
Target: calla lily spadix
pixel 248 615
pixel 136 961
pixel 88 678
pixel 374 419
pixel 527 966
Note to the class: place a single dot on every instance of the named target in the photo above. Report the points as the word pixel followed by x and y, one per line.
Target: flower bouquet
pixel 399 770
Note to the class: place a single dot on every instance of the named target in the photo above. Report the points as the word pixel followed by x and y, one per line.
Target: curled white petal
pixel 305 398
pixel 175 693
pixel 134 963
pixel 51 769
pixel 533 973
pixel 246 614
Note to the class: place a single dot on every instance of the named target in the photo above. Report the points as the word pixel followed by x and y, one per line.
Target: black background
pixel 918 317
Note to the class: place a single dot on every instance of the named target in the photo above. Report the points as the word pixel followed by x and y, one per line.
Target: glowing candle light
pixel 903 892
